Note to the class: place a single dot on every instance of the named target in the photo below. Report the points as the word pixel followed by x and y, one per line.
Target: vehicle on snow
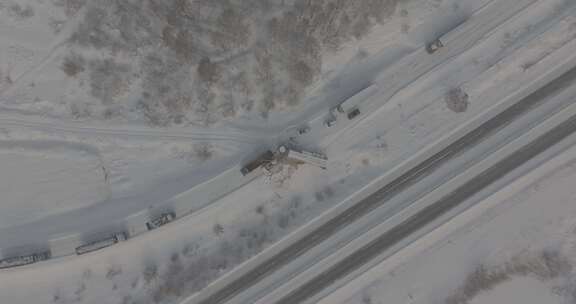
pixel 264 158
pixel 434 46
pixel 24 259
pixel 101 243
pixel 161 220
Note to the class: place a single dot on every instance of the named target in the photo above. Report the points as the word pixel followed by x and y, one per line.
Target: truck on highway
pixel 262 159
pixel 24 259
pixel 101 243
pixel 160 220
pixel 351 106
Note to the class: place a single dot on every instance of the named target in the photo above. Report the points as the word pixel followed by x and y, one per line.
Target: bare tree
pixel 203 151
pixel 207 71
pixel 73 64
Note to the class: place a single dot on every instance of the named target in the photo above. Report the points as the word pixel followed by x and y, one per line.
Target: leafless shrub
pixel 80 110
pixel 71 7
pixel 546 265
pixel 456 100
pixel 366 298
pixel 21 12
pixel 234 30
pixel 73 64
pixel 203 151
pixel 557 264
pixel 260 210
pixel 79 292
pixel 57 296
pixel 113 271
pixel 286 217
pixel 328 191
pixel 127 300
pixel 150 272
pixel 302 73
pixel 190 250
pixel 91 32
pixel 227 107
pixel 87 274
pixel 207 71
pixel 108 79
pixel 319 196
pixel 218 229
pixel 181 41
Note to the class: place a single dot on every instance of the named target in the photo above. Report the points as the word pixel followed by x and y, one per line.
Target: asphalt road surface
pixel 398 185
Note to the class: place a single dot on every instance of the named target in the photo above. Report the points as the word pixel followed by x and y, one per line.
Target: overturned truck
pixel 262 159
pixel 24 259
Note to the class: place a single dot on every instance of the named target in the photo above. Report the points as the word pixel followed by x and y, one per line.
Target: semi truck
pixel 351 106
pixel 24 259
pixel 101 243
pixel 312 158
pixel 262 159
pixel 161 220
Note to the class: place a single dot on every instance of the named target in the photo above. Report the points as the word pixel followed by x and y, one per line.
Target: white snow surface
pixel 519 290
pixel 68 171
pixel 58 178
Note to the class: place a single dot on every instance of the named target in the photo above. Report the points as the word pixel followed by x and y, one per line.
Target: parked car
pixel 330 121
pixel 353 113
pixel 433 46
pixel 303 130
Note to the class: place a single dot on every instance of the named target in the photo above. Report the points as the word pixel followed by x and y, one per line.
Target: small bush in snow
pixel 73 64
pixel 150 272
pixel 218 229
pixel 456 100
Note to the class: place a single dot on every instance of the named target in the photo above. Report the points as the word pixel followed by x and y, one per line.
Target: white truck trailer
pixel 101 243
pixel 312 158
pixel 351 106
pixel 24 259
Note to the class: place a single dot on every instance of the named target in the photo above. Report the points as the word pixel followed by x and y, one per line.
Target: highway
pixel 398 185
pixel 427 215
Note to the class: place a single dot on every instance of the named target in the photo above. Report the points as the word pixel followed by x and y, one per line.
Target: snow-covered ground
pixel 516 246
pixel 519 290
pixel 59 177
pixel 86 139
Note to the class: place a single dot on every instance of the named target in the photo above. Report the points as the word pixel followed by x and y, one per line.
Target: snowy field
pixel 110 108
pixel 58 176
